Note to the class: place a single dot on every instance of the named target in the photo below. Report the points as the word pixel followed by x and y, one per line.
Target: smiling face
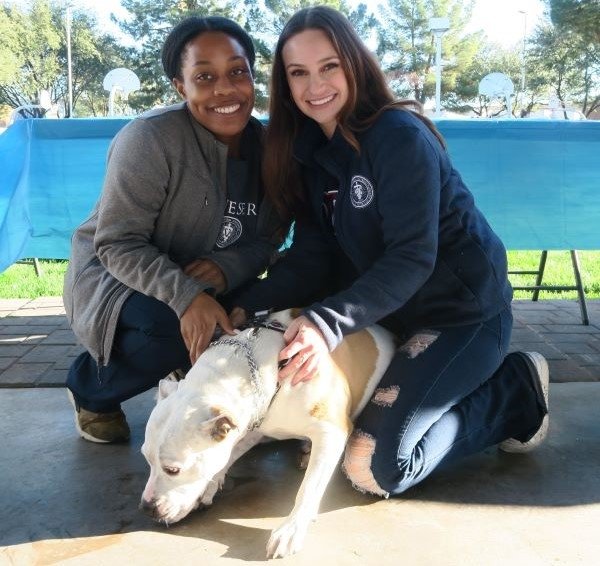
pixel 216 81
pixel 315 76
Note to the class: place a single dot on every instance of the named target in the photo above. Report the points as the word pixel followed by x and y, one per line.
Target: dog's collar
pixel 257 322
pixel 260 319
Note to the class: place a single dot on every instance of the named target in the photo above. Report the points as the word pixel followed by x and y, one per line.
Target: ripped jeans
pixel 450 393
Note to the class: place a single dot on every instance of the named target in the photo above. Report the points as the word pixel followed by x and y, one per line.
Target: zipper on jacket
pixel 115 295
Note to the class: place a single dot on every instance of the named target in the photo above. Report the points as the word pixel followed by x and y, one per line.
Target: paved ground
pixel 69 502
pixel 37 346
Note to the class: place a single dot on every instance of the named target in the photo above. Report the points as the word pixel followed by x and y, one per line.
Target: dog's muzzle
pixel 150 508
pixel 159 513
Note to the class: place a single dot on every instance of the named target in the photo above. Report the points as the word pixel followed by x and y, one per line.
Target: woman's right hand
pixel 198 324
pixel 305 350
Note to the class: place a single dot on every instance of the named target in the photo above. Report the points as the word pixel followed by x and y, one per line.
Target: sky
pixel 501 20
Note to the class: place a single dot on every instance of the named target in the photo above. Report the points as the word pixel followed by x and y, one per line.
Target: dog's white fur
pixel 202 424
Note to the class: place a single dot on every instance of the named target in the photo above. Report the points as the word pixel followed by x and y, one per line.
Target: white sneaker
pixel 542 374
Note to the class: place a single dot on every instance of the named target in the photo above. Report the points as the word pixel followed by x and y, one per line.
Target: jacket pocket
pixel 71 287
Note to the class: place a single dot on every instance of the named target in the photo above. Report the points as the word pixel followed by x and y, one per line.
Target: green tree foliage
pixel 93 55
pixel 9 59
pixel 35 44
pixel 579 16
pixel 573 70
pixel 34 57
pixel 407 47
pixel 566 66
pixel 562 57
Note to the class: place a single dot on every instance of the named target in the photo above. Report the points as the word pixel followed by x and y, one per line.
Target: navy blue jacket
pixel 422 253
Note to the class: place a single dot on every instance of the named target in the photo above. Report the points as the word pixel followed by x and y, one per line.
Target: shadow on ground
pixel 54 485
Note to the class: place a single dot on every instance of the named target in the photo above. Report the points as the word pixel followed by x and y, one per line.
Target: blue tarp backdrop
pixel 51 174
pixel 538 182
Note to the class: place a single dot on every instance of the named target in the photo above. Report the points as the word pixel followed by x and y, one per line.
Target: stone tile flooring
pixel 37 346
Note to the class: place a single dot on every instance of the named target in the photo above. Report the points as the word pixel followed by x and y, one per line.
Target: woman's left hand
pixel 306 348
pixel 207 271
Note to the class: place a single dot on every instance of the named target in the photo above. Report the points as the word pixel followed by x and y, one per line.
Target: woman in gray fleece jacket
pixel 180 225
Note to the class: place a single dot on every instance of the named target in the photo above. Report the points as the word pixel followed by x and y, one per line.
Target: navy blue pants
pixel 148 346
pixel 437 403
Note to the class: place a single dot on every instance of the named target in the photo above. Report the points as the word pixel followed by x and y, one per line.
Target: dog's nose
pixel 149 508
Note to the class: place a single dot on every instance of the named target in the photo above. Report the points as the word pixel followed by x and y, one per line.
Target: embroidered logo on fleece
pixel 361 191
pixel 231 230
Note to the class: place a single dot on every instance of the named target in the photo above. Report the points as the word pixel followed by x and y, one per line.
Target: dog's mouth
pixel 164 514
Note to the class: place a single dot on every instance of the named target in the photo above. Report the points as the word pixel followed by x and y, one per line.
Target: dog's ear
pixel 166 386
pixel 221 427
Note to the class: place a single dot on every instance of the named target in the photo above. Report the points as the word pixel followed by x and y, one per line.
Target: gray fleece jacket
pixel 161 207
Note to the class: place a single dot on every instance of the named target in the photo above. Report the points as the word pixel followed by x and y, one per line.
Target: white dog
pixel 230 399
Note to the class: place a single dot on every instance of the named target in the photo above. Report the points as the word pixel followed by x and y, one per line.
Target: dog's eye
pixel 171 470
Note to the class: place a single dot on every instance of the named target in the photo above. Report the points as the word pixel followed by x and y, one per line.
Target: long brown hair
pixel 368 96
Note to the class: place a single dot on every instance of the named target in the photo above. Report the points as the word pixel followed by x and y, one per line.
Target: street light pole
pixel 69 67
pixel 438 26
pixel 523 60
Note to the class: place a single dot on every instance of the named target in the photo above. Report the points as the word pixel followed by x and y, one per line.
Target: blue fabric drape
pixel 51 173
pixel 538 182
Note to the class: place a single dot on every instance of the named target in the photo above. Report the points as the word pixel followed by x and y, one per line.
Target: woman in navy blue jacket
pixel 386 232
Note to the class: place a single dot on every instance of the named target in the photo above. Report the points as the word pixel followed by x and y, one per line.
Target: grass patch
pixel 559 271
pixel 19 281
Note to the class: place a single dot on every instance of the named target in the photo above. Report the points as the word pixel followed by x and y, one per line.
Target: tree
pixel 94 56
pixel 9 60
pixel 407 49
pixel 34 64
pixel 577 24
pixel 568 66
pixel 34 53
pixel 579 16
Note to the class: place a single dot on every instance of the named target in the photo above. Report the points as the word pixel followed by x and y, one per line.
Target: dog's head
pixel 196 423
pixel 187 442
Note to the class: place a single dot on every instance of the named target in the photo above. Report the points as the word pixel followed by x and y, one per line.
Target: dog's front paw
pixel 287 539
pixel 304 454
pixel 211 490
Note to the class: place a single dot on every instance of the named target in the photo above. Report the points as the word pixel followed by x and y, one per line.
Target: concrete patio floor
pixel 67 501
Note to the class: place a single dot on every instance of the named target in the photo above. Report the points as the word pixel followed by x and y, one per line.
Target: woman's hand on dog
pixel 305 349
pixel 199 321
